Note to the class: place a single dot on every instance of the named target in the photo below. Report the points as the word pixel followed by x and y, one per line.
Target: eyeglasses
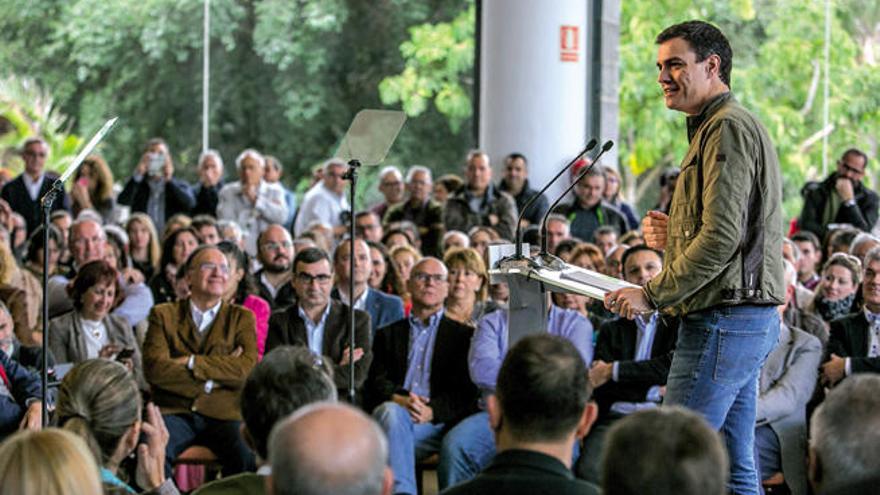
pixel 210 267
pixel 424 278
pixel 308 278
pixel 273 246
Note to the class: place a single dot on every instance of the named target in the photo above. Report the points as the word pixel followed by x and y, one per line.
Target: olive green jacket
pixel 724 237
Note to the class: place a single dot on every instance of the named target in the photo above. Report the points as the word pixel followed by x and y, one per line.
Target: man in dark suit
pixel 854 344
pixel 540 408
pixel 321 324
pixel 275 253
pixel 631 362
pixel 152 188
pixel 24 192
pixel 841 198
pixel 207 190
pixel 383 309
pixel 197 355
pixel 420 372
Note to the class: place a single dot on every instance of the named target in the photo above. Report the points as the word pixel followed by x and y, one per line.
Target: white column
pixel 533 84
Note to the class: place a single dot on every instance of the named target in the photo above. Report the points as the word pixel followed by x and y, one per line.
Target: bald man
pixel 328 448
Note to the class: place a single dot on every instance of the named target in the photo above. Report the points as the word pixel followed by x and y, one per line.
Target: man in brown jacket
pixel 197 355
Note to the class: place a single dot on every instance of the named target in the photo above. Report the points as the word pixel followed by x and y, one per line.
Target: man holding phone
pixel 152 188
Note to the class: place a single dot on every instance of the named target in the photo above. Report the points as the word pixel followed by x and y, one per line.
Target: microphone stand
pixel 551 260
pixel 46 203
pixel 351 175
pixel 531 201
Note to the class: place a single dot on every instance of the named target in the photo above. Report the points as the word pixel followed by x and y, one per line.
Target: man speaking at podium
pixel 723 242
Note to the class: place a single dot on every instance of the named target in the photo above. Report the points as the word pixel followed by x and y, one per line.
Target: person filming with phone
pixel 152 188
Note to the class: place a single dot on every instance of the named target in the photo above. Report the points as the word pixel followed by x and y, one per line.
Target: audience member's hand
pixel 419 410
pixel 80 194
pixel 109 350
pixel 346 356
pixel 600 373
pixel 237 352
pixel 844 188
pixel 628 302
pixel 151 454
pixel 143 165
pixel 33 417
pixel 654 229
pixel 133 276
pixel 834 370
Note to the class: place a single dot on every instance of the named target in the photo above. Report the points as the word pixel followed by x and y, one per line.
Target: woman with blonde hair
pixel 93 188
pixel 468 297
pixel 23 295
pixel 100 402
pixel 143 244
pixel 47 462
pixel 837 292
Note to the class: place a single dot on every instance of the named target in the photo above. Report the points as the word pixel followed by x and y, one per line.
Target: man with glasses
pixel 24 192
pixel 197 354
pixel 275 253
pixel 391 187
pixel 321 324
pixel 841 198
pixel 421 210
pixel 325 202
pixel 383 309
pixel 420 375
pixel 368 226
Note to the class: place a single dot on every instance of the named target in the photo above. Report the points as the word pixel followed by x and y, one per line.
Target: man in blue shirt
pixel 420 371
pixel 470 446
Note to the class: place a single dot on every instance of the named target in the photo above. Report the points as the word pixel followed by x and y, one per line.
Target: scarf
pixel 831 310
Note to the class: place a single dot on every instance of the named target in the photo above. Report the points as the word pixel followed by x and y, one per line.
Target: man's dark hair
pixel 859 153
pixel 366 213
pixel 666 451
pixel 200 221
pixel 567 246
pixel 636 249
pixel 309 256
pixel 285 380
pixel 513 156
pixel 35 243
pixel 705 40
pixel 807 236
pixel 542 388
pixel 605 230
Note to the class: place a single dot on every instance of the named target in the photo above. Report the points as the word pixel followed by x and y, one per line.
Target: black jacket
pixel 206 199
pixel 617 342
pixel 849 338
pixel 453 395
pixel 16 194
pixel 862 215
pixel 178 196
pixel 535 212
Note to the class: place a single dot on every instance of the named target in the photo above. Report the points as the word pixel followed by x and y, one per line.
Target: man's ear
pixel 493 407
pixel 591 411
pixel 713 65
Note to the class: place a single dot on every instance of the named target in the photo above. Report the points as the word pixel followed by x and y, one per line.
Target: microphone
pixel 605 147
pixel 592 144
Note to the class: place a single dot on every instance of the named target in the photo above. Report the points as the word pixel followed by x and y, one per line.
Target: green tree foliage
pixel 286 76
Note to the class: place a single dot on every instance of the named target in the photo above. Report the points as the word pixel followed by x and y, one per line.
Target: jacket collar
pixel 695 121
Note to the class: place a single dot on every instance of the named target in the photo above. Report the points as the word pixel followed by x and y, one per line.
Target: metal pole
pixel 826 91
pixel 206 73
pixel 353 166
pixel 44 372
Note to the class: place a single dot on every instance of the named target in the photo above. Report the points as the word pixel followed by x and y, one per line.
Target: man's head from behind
pixel 666 451
pixel 285 380
pixel 845 439
pixel 542 395
pixel 329 448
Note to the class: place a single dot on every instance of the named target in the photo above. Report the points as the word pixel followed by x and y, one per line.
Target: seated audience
pixel 479 202
pixel 835 295
pixel 421 210
pixel 242 290
pixel 840 198
pixel 632 360
pixel 275 252
pixel 90 330
pixel 197 354
pixel 92 189
pixel 206 228
pixel 811 257
pixel 613 197
pixel 252 202
pixel 320 323
pixel 468 297
pixel 287 379
pixel 404 258
pixel 853 346
pixel 383 309
pixel 62 220
pixel 845 433
pixel 379 264
pixel 100 402
pixel 21 405
pixel 328 448
pixel 589 210
pixel 792 253
pixel 516 183
pixel 541 407
pixel 23 294
pixel 420 372
pixel 143 246
pixel 48 462
pixel 665 451
pixel 175 250
pixel 207 190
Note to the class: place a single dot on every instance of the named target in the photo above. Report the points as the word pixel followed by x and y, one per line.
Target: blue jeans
pixel 407 443
pixel 714 372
